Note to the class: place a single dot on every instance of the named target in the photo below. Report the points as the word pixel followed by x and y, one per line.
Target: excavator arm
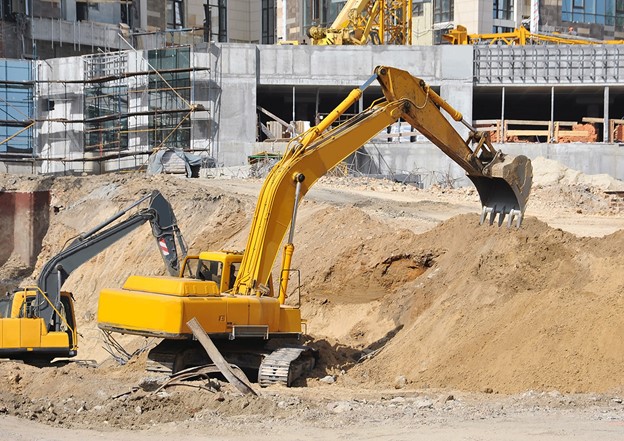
pixel 503 182
pixel 56 271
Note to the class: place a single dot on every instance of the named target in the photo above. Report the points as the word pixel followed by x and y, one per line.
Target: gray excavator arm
pixel 87 245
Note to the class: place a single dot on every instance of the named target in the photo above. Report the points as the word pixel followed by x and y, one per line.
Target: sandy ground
pixel 429 326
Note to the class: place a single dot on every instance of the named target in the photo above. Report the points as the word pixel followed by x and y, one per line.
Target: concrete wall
pixel 56 136
pixel 22 239
pixel 325 66
pixel 234 109
pixel 434 166
pixel 244 21
pixel 226 86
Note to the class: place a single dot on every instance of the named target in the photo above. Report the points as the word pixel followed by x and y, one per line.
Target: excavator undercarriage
pixel 276 361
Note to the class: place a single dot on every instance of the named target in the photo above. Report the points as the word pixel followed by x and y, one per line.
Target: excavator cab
pixel 25 335
pixel 220 267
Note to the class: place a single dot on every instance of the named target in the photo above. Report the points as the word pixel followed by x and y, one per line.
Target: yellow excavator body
pixel 166 304
pixel 24 335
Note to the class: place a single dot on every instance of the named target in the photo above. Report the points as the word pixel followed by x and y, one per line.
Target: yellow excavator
pixel 38 324
pixel 231 294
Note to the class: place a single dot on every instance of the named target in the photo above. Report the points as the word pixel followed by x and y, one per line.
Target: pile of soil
pixel 459 306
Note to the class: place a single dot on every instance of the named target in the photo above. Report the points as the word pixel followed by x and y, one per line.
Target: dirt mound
pixel 510 310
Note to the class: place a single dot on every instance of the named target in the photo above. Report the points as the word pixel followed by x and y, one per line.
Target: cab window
pixel 210 270
pixel 233 273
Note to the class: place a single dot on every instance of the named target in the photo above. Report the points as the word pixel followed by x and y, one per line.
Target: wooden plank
pixel 529 122
pixel 573 133
pixel 589 119
pixel 527 133
pixel 238 382
pixel 275 117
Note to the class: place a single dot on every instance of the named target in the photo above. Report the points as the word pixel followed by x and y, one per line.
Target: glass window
pixel 268 21
pixel 169 91
pixel 16 106
pixel 210 270
pixel 106 111
pixel 503 9
pixel 105 104
pixel 592 11
pixel 175 14
pixel 418 10
pixel 443 10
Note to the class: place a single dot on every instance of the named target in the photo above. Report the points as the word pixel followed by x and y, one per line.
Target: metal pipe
pixel 502 128
pixel 551 133
pixel 289 248
pixel 606 126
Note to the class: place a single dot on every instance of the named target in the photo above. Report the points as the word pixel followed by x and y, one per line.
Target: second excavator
pixel 231 294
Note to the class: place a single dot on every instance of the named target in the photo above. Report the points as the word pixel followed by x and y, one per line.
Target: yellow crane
pixel 520 36
pixel 367 22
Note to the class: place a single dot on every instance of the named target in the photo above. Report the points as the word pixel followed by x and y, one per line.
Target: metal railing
pixel 543 64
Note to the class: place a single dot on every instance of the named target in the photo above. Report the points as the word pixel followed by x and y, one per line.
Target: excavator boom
pixel 503 182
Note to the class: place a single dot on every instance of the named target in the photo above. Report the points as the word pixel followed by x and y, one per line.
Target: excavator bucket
pixel 504 188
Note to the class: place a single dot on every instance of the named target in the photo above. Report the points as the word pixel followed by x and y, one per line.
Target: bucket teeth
pixel 502 213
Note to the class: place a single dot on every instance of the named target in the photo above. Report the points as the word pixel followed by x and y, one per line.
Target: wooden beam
pixel 242 384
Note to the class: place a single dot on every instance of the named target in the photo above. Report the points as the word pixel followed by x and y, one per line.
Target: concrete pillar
pixel 458 95
pixel 606 126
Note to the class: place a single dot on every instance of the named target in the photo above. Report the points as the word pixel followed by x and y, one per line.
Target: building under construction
pixel 130 94
pixel 110 111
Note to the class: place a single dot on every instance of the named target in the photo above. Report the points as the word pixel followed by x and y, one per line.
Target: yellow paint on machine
pixel 163 306
pixel 29 333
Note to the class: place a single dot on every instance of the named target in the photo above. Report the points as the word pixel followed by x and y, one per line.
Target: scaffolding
pixel 121 106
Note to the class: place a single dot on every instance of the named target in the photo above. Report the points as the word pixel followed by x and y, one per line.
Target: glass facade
pixel 169 93
pixel 105 104
pixel 16 106
pixel 603 12
pixel 106 111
